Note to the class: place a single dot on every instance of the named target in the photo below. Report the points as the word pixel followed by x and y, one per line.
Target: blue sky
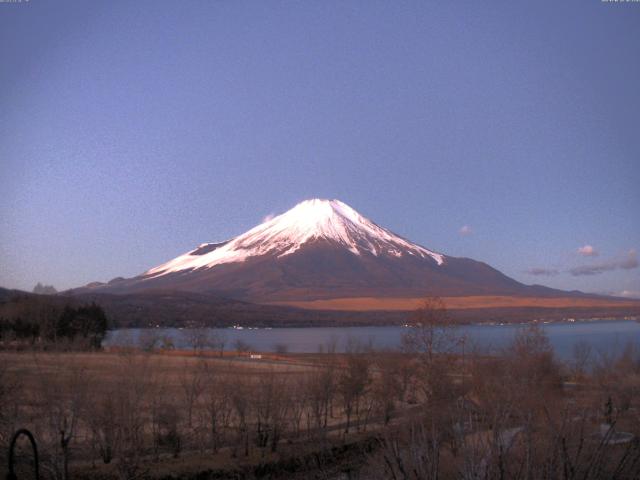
pixel 132 131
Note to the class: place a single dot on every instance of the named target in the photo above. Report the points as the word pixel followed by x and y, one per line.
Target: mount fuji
pixel 317 251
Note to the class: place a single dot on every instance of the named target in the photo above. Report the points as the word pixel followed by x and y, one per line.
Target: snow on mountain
pixel 316 219
pixel 318 250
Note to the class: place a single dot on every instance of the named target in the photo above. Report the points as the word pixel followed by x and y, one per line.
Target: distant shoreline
pixel 456 324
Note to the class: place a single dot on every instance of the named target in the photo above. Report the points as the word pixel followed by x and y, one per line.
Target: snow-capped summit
pixel 319 254
pixel 312 220
pixel 320 249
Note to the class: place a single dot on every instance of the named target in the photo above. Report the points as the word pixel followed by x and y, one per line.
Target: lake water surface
pixel 605 336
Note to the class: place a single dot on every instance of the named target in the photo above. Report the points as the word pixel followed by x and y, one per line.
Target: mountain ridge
pixel 318 250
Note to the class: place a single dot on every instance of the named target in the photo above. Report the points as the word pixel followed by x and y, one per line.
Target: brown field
pixel 99 397
pixel 127 414
pixel 457 303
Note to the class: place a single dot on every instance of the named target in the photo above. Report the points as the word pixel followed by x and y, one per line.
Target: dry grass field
pixel 180 410
pixel 131 415
pixel 107 369
pixel 455 303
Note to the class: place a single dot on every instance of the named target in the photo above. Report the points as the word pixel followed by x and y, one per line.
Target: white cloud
pixel 626 262
pixel 465 230
pixel 588 251
pixel 268 218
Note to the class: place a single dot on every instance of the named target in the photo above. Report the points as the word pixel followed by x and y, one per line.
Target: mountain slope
pixel 310 221
pixel 322 249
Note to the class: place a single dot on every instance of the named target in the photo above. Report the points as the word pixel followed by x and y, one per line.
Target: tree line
pixel 30 320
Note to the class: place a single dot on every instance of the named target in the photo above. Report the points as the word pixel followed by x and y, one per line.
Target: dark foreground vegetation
pixel 422 413
pixel 35 320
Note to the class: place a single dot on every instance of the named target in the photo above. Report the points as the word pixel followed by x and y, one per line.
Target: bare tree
pixel 241 401
pixel 271 405
pixel 581 357
pixel 388 389
pixel 130 395
pixel 299 403
pixel 353 382
pixel 321 387
pixel 62 397
pixel 100 416
pixel 218 340
pixel 157 402
pixel 198 339
pixel 192 385
pixel 166 431
pixel 534 373
pixel 218 406
pixel 11 394
pixel 412 453
pixel 434 341
pixel 432 331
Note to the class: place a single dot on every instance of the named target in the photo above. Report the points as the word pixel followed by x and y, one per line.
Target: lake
pixel 606 336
